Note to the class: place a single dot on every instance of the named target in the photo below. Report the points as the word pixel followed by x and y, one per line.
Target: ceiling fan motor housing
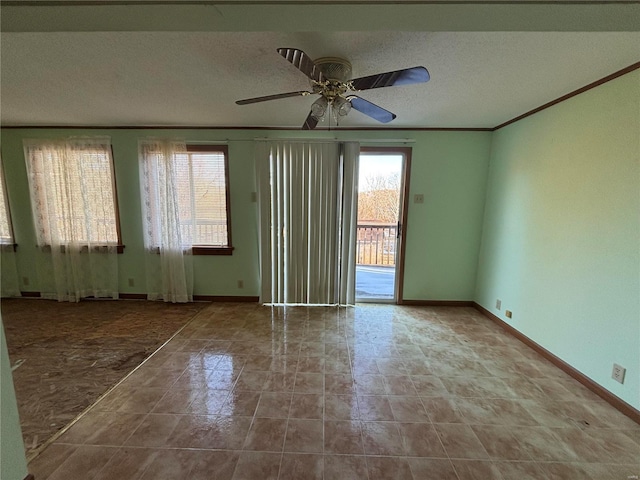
pixel 334 68
pixel 337 72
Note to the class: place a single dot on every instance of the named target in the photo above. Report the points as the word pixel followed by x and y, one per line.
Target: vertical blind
pixel 306 194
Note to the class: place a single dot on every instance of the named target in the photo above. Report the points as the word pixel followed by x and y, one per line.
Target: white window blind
pixel 6 234
pixel 201 188
pixel 72 191
pixel 207 172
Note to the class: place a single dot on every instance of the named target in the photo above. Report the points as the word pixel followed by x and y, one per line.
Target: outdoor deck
pixel 374 282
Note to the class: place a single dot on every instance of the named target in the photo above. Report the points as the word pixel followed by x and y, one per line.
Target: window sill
pixel 212 250
pixel 201 250
pixel 84 248
pixel 8 246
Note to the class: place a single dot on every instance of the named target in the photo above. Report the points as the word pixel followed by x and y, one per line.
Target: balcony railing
pixel 207 232
pixel 376 244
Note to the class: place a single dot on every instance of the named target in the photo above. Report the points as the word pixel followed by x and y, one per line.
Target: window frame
pixel 12 239
pixel 116 205
pixel 212 249
pixel 85 248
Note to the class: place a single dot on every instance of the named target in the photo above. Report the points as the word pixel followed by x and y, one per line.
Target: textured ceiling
pixel 478 79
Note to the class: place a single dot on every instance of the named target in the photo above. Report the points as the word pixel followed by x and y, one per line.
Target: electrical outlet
pixel 25 280
pixel 507 313
pixel 498 304
pixel 418 198
pixel 240 283
pixel 131 282
pixel 618 373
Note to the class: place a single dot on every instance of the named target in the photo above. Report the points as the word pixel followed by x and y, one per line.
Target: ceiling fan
pixel 330 78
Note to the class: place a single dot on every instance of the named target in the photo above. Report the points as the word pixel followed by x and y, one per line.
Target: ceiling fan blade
pixel 302 62
pixel 273 97
pixel 310 123
pixel 408 76
pixel 371 109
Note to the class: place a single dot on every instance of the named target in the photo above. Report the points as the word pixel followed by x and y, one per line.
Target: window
pixel 202 190
pixel 207 187
pixel 72 191
pixel 6 233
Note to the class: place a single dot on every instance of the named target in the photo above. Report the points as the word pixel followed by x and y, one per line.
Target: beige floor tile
pixel 50 459
pixel 154 430
pixel 85 462
pixel 240 403
pixel 343 437
pixel 429 386
pixel 274 405
pixel 341 407
pixel 169 464
pixel 304 436
pixel 520 471
pixel 610 471
pixel 382 438
pixel 127 463
pixel 212 432
pixel 307 405
pixel 408 409
pixel 254 465
pixel 266 434
pixel 213 465
pixel 102 428
pixel 345 467
pixel 432 469
pixel 309 383
pixel 566 471
pixel 339 384
pixel 501 443
pixel 459 441
pixel 421 440
pixel 301 466
pixel 388 468
pixel 476 470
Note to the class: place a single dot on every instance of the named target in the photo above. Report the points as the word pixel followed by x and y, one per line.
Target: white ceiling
pixel 179 78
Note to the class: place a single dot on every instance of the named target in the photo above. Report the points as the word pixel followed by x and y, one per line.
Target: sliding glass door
pixel 382 184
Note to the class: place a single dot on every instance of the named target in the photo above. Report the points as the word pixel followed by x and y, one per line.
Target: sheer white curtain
pixel 164 171
pixel 307 208
pixel 73 203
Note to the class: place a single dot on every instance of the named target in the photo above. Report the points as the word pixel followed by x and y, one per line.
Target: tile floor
pixel 372 392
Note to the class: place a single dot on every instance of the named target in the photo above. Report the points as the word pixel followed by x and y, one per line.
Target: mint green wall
pixel 214 275
pixel 449 168
pixel 443 234
pixel 13 464
pixel 560 243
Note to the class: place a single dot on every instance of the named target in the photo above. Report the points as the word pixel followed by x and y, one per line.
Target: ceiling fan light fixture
pixel 319 108
pixel 342 106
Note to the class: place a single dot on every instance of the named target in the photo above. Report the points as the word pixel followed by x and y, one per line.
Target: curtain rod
pixel 207 142
pixel 320 140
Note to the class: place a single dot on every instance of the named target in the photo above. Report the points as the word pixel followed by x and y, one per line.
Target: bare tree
pixel 379 199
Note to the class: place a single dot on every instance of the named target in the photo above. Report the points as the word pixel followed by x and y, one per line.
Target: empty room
pixel 320 240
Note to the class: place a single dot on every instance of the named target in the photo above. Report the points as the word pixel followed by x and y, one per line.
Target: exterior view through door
pixel 381 181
